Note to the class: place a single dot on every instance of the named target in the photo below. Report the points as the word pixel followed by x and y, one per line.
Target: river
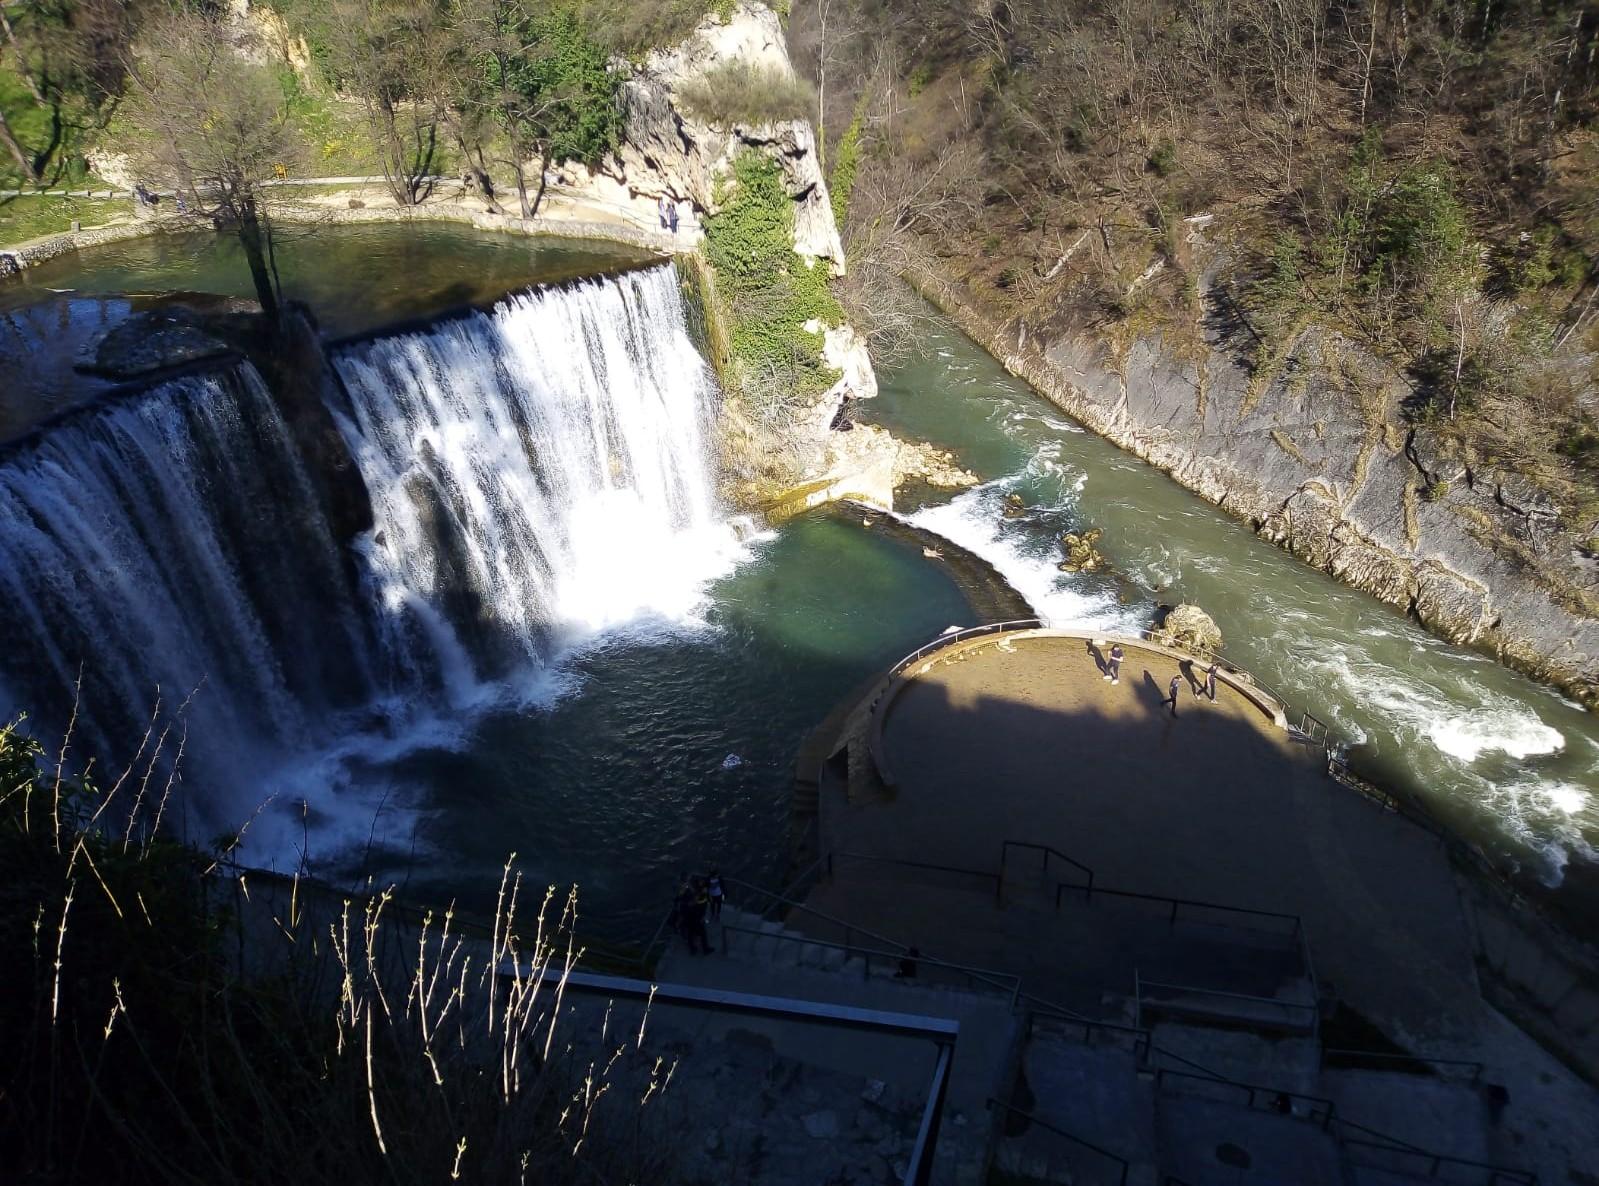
pixel 655 729
pixel 1507 762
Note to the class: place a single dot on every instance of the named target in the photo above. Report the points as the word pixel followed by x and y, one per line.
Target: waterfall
pixel 173 543
pixel 541 475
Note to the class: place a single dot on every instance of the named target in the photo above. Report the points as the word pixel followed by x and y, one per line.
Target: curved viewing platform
pixel 1009 806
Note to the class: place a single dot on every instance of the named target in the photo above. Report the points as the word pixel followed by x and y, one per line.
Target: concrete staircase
pixel 759 956
pixel 1094 1090
pixel 1273 1116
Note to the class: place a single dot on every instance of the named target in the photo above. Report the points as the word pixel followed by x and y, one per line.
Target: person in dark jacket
pixel 1113 666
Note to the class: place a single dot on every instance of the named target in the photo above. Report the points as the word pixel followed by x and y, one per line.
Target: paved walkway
pixel 1021 738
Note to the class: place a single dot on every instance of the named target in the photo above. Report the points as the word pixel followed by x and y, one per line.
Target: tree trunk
pixel 472 154
pixel 18 153
pixel 544 171
pixel 521 182
pixel 250 236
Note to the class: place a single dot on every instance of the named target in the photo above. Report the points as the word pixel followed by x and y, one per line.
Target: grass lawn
pixel 22 219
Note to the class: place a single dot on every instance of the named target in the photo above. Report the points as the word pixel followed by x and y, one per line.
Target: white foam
pixel 975 521
pixel 1469 736
pixel 1543 816
pixel 1565 797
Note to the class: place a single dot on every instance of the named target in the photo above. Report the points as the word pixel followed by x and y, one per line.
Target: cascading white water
pixel 539 474
pixel 174 543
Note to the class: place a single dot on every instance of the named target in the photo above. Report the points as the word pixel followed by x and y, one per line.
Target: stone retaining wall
pixel 27 255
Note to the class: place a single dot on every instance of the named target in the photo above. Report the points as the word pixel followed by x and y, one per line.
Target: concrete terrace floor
pixel 1020 738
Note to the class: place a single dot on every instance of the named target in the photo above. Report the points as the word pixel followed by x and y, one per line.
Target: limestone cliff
pixel 666 151
pixel 1308 454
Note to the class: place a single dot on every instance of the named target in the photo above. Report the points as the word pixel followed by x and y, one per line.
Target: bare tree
pixel 388 54
pixel 217 125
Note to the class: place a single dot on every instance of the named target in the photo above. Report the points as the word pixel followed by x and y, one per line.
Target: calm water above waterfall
pixel 356 278
pixel 557 641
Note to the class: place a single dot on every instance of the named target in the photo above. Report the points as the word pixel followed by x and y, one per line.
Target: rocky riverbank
pixel 1309 457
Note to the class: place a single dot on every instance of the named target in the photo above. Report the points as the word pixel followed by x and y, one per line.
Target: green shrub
pixel 1536 261
pixel 1163 161
pixel 1436 491
pixel 634 27
pixel 1580 442
pixel 767 290
pixel 738 92
pixel 1421 236
pixel 846 160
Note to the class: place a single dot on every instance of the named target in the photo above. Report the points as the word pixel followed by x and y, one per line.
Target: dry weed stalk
pixel 216 1029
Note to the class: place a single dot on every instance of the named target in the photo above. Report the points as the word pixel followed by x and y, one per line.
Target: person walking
pixel 1171 693
pixel 660 209
pixel 713 888
pixel 695 901
pixel 1210 682
pixel 1113 666
pixel 671 217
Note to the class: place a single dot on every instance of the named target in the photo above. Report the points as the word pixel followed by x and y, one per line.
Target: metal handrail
pixel 1144 1044
pixel 1047 851
pixel 1140 984
pixel 1353 1054
pixel 981 975
pixel 997 878
pixel 1321 1109
pixel 1496 1174
pixel 944 1033
pixel 849 927
pixel 1061 1132
pixel 891 681
pixel 953 636
pixel 1177 905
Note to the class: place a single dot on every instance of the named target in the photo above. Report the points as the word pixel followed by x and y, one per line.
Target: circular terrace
pixel 1009 765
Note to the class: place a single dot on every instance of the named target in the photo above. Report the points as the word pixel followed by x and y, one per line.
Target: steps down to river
pixel 755 955
pixel 1073 1101
pixel 1091 1107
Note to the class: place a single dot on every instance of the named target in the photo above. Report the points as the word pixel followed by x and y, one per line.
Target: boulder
pixel 823 1126
pixel 153 340
pixel 1081 554
pixel 1189 628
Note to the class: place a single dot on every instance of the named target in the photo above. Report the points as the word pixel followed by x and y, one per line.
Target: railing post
pixel 920 1170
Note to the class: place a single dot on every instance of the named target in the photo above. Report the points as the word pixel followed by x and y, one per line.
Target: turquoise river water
pixel 663 745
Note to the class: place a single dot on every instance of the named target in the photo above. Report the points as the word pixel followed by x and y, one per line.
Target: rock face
pixel 1307 455
pixel 665 150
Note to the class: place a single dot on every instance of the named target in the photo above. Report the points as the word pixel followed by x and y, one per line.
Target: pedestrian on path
pixel 692 902
pixel 660 209
pixel 1210 682
pixel 1113 666
pixel 1171 693
pixel 671 216
pixel 713 888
